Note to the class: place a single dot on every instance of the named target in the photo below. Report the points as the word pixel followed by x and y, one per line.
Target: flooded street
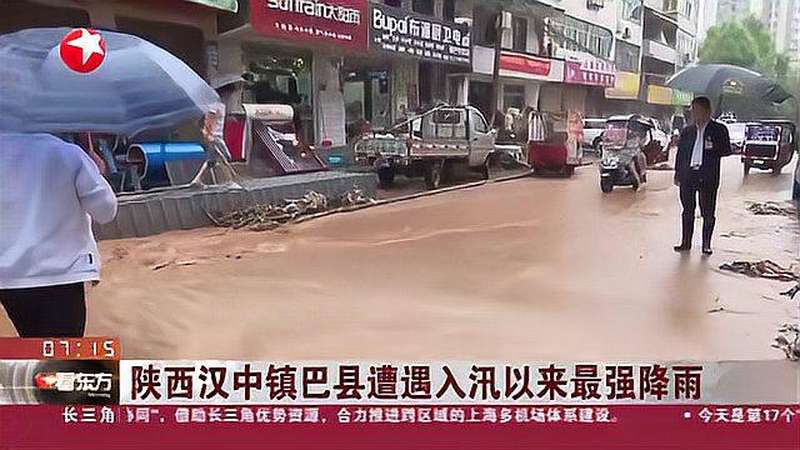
pixel 532 269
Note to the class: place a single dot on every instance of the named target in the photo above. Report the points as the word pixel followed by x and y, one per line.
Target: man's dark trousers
pixel 693 188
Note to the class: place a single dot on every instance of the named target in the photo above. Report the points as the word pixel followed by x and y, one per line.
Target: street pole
pixel 498 47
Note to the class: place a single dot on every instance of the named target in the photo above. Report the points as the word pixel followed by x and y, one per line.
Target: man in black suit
pixel 697 165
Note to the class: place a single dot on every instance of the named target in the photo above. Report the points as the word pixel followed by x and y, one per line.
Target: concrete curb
pixel 416 195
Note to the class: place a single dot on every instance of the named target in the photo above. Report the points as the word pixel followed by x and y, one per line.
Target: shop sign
pixel 398 31
pixel 626 87
pixel 594 72
pixel 338 22
pixel 523 65
pixel 659 95
pixel 681 98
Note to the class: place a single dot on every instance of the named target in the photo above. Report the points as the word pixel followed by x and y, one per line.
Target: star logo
pixel 83 50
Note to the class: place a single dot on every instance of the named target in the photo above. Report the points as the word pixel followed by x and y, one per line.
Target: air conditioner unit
pixel 506 20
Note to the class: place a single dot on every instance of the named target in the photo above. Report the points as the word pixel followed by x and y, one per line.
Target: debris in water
pixel 788 341
pixel 761 269
pixel 772 208
pixel 661 166
pixel 792 291
pixel 356 196
pixel 733 234
pixel 272 216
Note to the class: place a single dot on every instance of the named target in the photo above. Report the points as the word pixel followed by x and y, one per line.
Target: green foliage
pixel 746 44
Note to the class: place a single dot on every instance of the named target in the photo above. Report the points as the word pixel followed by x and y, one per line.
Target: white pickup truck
pixel 433 145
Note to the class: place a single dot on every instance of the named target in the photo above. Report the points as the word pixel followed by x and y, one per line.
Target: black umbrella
pixel 714 80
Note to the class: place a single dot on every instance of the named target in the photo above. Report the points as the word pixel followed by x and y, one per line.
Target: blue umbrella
pixel 139 86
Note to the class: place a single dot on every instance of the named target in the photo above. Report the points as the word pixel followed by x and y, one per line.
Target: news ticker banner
pixel 395 404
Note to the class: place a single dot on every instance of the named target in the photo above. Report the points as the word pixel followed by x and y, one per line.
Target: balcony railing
pixel 659 51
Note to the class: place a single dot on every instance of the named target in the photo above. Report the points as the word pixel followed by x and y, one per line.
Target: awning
pixel 225 5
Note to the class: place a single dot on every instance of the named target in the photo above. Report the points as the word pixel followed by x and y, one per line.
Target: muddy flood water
pixel 533 269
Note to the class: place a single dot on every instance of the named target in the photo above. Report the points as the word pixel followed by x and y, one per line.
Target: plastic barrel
pixel 152 157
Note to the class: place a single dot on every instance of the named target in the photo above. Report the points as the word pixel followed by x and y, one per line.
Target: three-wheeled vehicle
pixel 434 144
pixel 769 145
pixel 554 142
pixel 628 148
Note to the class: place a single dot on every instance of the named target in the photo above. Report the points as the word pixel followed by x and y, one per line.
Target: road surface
pixel 535 269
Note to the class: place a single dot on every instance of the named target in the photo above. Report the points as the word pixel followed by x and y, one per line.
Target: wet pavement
pixel 532 269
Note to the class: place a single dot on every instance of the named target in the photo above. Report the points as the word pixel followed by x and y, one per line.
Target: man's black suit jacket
pixel 717 135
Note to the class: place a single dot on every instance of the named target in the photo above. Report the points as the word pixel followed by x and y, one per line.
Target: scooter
pixel 622 167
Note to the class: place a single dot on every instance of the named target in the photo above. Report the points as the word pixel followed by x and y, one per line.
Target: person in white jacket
pixel 50 191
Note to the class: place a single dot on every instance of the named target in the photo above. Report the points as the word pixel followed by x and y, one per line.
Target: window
pixel 478 123
pixel 449 11
pixel 577 35
pixel 394 3
pixel 485 32
pixel 627 57
pixel 423 7
pixel 632 10
pixel 519 34
pixel 595 4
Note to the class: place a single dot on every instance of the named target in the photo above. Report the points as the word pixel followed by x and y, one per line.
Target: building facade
pixel 186 28
pixel 782 19
pixel 732 10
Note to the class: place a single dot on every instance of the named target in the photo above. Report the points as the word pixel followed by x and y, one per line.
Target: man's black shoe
pixel 682 248
pixel 707 251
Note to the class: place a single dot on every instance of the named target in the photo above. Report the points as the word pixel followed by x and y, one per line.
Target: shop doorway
pixel 283 79
pixel 480 96
pixel 185 42
pixel 367 101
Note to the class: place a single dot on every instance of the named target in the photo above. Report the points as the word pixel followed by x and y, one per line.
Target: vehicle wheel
pixel 776 170
pixel 569 171
pixel 606 185
pixel 746 168
pixel 386 177
pixel 433 175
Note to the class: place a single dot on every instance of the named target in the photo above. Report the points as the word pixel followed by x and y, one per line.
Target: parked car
pixel 593 133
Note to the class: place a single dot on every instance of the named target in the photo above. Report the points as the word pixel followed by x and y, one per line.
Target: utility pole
pixel 498 48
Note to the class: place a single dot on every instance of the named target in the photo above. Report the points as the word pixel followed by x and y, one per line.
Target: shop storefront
pixel 585 79
pixel 293 52
pixel 187 29
pixel 624 96
pixel 526 80
pixel 423 50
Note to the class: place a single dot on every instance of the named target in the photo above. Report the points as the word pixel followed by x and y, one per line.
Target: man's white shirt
pixel 699 145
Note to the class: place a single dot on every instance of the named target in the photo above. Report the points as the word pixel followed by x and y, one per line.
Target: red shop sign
pixel 527 64
pixel 336 22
